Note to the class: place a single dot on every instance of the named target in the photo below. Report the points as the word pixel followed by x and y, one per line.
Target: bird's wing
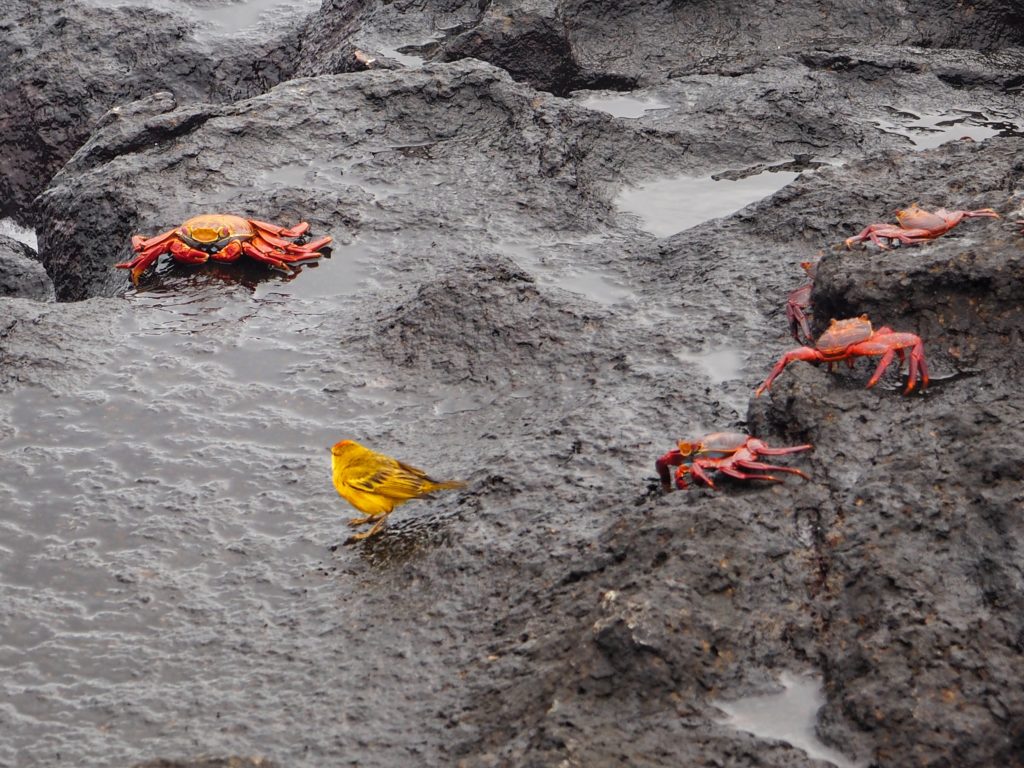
pixel 397 481
pixel 363 491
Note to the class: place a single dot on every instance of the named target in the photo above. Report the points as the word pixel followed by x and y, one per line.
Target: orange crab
pixel 727 452
pixel 224 237
pixel 916 225
pixel 847 339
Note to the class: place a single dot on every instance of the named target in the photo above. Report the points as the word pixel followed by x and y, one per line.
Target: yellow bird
pixel 375 484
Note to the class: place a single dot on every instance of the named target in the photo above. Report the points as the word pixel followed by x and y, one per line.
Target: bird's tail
pixel 445 485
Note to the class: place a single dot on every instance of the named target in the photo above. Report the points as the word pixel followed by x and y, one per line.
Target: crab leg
pixel 671 459
pixel 143 261
pixel 316 245
pixel 745 464
pixel 230 252
pixel 267 256
pixel 140 243
pixel 981 213
pixel 151 254
pixel 797 317
pixel 806 354
pixel 917 363
pixel 697 468
pixel 888 345
pixel 864 234
pixel 186 253
pixel 277 242
pixel 758 447
pixel 731 472
pixel 297 231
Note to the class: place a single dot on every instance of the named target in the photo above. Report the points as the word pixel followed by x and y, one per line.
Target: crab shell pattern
pixel 224 237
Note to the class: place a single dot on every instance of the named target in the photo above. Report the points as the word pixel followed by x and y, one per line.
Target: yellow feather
pixel 374 483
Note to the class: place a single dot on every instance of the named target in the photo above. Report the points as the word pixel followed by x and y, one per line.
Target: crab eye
pixel 685 448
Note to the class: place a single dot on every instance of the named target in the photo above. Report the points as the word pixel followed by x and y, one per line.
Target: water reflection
pixel 932 129
pixel 621 104
pixel 667 206
pixel 404 55
pixel 174 277
pixel 788 716
pixel 252 18
pixel 344 270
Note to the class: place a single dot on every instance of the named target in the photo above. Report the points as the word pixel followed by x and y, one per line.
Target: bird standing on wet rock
pixel 375 484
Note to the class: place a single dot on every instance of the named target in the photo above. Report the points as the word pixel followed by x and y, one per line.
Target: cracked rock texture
pixel 173 586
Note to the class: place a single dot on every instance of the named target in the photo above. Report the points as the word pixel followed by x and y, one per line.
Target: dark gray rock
pixel 21 274
pixel 172 542
pixel 64 63
pixel 565 46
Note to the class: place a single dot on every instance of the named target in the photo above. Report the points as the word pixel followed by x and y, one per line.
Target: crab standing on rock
pixel 847 339
pixel 726 452
pixel 916 225
pixel 223 237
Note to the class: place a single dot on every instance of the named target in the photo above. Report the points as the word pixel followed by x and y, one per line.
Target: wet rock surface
pixel 21 274
pixel 66 62
pixel 172 576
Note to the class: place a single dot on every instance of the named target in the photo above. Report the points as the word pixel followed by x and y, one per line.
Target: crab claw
pixel 141 263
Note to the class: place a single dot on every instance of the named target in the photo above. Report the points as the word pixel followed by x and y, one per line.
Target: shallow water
pixel 932 129
pixel 408 59
pixel 664 207
pixel 622 105
pixel 166 520
pixel 788 716
pixel 248 15
pixel 214 20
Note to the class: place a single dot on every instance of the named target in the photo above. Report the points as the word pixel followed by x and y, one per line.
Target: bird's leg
pixel 367 534
pixel 360 520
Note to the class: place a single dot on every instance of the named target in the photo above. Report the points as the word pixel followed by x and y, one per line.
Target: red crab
pixel 916 225
pixel 223 237
pixel 726 452
pixel 847 339
pixel 798 304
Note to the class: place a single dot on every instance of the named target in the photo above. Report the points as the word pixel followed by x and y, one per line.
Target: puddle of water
pixel 932 129
pixel 235 18
pixel 348 271
pixel 227 19
pixel 188 291
pixel 558 265
pixel 788 716
pixel 622 105
pixel 720 364
pixel 22 234
pixel 667 206
pixel 407 59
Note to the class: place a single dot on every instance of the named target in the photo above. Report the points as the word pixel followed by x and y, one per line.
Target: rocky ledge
pixel 546 270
